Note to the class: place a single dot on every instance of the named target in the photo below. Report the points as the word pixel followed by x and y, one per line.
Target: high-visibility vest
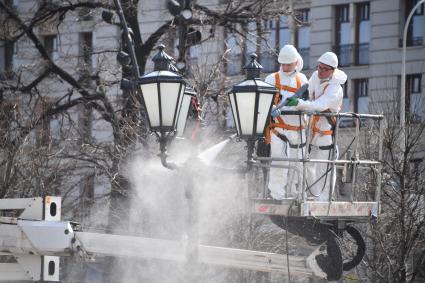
pixel 280 123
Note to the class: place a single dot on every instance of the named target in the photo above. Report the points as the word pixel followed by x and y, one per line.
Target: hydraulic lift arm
pixel 37 243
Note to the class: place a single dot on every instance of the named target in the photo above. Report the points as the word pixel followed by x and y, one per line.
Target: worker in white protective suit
pixel 325 95
pixel 285 131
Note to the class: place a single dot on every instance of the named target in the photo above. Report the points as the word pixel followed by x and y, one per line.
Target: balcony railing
pixel 352 54
pixel 411 41
pixel 362 54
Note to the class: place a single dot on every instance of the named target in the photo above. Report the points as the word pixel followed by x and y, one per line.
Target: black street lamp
pixel 162 95
pixel 251 101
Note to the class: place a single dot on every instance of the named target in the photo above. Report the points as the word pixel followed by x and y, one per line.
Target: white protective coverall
pixel 278 177
pixel 325 95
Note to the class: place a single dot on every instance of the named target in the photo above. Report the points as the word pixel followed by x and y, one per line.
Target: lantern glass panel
pixel 184 111
pixel 235 118
pixel 264 103
pixel 246 104
pixel 150 96
pixel 169 99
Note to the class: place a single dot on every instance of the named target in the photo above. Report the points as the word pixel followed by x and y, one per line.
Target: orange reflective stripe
pixel 268 129
pixel 316 118
pixel 288 88
pixel 285 87
pixel 285 126
pixel 317 130
pixel 277 85
pixel 277 80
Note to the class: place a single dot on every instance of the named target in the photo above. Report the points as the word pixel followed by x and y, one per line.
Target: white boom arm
pixel 37 243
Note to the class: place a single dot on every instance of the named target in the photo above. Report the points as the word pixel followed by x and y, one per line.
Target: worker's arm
pixel 331 99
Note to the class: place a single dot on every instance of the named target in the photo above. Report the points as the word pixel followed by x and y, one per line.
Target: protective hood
pixel 298 68
pixel 300 64
pixel 338 77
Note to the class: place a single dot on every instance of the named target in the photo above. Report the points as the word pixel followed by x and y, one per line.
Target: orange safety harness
pixel 316 118
pixel 280 123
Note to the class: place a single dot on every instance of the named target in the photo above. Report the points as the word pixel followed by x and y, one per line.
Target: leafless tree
pixel 396 241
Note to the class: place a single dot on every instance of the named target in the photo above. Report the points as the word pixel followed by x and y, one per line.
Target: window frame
pixel 410 39
pixel 233 57
pixel 361 89
pixel 51 44
pixel 409 90
pixel 304 51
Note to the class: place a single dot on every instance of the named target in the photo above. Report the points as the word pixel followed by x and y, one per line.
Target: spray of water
pixel 162 205
pixel 161 208
pixel 208 156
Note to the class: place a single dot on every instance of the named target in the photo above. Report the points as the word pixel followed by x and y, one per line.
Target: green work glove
pixel 292 101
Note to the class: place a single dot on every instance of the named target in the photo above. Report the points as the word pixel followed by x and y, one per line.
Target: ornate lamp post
pixel 162 95
pixel 251 101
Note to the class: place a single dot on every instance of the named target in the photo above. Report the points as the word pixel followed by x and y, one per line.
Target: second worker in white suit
pixel 325 95
pixel 285 130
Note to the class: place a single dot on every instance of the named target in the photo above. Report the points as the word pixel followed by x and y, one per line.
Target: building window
pixel 193 53
pixel 86 196
pixel 343 38
pixel 362 33
pixel 234 62
pixel 415 31
pixel 51 46
pixel 85 125
pixel 11 3
pixel 86 52
pixel 414 98
pixel 347 106
pixel 284 31
pixel 416 167
pixel 85 13
pixel 346 102
pixel 8 64
pixel 250 31
pixel 352 52
pixel 268 46
pixel 278 34
pixel 8 56
pixel 9 116
pixel 303 36
pixel 42 130
pixel 361 100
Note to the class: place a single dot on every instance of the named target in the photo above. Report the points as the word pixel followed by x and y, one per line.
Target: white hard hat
pixel 288 54
pixel 330 59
